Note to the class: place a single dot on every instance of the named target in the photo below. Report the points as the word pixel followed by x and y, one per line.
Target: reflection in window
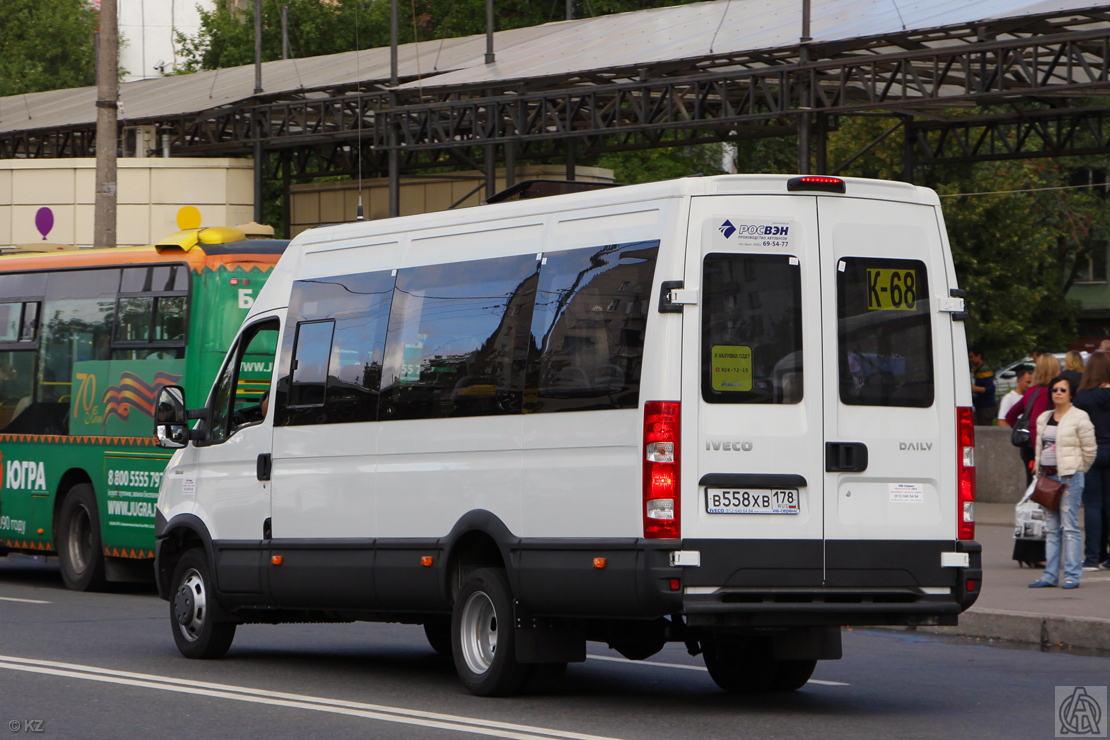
pixel 588 328
pixel 884 335
pixel 751 329
pixel 244 382
pixel 17 382
pixel 77 326
pixel 351 354
pixel 458 337
pixel 311 352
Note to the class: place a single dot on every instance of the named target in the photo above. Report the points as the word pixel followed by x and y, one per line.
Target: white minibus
pixel 732 412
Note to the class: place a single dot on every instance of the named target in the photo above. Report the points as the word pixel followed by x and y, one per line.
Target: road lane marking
pixel 685 667
pixel 380 712
pixel 23 601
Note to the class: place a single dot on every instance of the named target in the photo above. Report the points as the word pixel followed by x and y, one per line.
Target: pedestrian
pixel 1037 398
pixel 1023 375
pixel 982 388
pixel 1066 450
pixel 1094 398
pixel 1073 368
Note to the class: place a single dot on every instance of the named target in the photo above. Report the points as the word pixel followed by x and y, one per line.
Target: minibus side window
pixel 458 339
pixel 338 325
pixel 751 329
pixel 588 328
pixel 884 334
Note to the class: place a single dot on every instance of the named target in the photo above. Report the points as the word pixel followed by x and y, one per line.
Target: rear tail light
pixel 965 477
pixel 661 468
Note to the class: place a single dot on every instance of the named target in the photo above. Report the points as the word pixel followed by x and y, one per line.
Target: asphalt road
pixel 76 665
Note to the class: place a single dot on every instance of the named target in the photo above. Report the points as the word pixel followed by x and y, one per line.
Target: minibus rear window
pixel 884 335
pixel 751 329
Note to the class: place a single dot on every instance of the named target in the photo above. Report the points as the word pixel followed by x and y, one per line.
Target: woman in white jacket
pixel 1066 449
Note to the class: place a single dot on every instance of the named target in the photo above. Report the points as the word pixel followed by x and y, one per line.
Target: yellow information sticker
pixel 732 367
pixel 891 290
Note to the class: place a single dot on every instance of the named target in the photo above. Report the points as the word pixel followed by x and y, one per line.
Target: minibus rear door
pixel 889 416
pixel 753 457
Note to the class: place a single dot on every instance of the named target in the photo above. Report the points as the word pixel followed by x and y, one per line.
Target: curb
pixel 1037 629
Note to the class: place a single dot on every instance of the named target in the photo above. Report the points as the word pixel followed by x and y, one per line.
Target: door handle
pixel 264 464
pixel 845 457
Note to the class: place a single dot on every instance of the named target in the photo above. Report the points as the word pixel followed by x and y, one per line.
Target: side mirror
pixel 171 423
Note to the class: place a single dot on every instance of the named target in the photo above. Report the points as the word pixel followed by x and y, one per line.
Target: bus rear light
pixel 820 183
pixel 661 469
pixel 965 474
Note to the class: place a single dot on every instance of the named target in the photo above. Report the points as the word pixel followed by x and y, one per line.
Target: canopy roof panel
pixel 720 34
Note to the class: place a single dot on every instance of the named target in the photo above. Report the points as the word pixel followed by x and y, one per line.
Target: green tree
pixel 652 165
pixel 46 45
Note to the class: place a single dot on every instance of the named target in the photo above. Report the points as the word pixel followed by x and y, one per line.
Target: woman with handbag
pixel 1037 400
pixel 1065 450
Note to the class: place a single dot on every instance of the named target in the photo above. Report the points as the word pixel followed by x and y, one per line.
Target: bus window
pixel 884 339
pixel 458 339
pixel 338 368
pixel 751 329
pixel 237 401
pixel 311 354
pixel 588 328
pixel 17 377
pixel 151 326
pixel 77 326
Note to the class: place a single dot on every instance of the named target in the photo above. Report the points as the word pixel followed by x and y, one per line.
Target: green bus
pixel 86 338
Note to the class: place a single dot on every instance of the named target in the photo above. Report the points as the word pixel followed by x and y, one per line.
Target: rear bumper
pixel 815 583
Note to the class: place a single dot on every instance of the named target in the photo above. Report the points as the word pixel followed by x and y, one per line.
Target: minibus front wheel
pixel 193 608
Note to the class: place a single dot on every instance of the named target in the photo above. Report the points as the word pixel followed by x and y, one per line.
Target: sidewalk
pixel 1008 609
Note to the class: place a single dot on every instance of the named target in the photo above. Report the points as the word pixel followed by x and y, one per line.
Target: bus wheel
pixel 195 630
pixel 80 553
pixel 483 637
pixel 746 666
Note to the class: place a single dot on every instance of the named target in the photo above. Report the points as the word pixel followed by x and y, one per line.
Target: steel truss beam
pixel 329 131
pixel 1052 132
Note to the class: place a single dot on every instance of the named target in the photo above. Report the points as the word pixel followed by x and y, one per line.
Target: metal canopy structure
pixel 705 72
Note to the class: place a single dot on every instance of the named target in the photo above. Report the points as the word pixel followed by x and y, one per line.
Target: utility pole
pixel 259 153
pixel 107 95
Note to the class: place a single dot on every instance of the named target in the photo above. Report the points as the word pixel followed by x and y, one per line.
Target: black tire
pixel 483 636
pixel 80 552
pixel 745 666
pixel 195 630
pixel 439 637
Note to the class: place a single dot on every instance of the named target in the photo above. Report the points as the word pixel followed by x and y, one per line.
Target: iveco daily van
pixel 731 411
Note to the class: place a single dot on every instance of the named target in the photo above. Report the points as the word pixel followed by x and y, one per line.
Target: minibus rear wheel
pixel 80 554
pixel 192 607
pixel 483 635
pixel 744 666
